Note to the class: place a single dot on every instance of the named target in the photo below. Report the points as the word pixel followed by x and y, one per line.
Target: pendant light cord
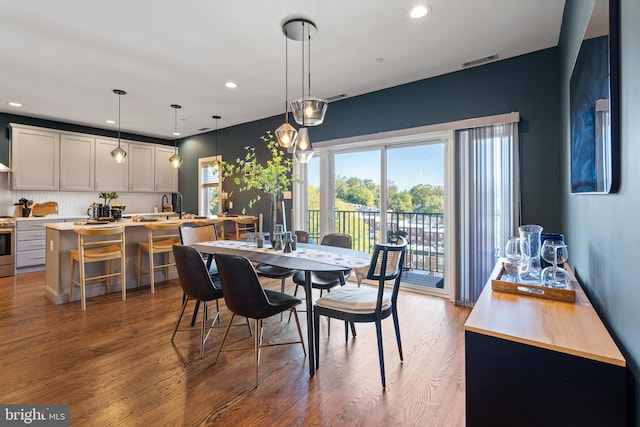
pixel 286 78
pixel 175 131
pixel 119 98
pixel 303 72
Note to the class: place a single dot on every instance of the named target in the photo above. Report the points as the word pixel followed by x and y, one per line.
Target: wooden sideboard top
pixel 572 328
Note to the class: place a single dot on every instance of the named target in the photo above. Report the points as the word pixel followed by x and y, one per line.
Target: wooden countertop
pixel 572 328
pixel 65 226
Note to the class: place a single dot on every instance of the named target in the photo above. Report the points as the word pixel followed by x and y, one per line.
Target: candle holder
pixel 260 242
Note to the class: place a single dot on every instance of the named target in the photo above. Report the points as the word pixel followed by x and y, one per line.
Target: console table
pixel 536 362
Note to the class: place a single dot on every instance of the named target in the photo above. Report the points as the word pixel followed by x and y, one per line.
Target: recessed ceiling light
pixel 420 11
pixel 176 134
pixel 111 122
pixel 14 104
pixel 231 85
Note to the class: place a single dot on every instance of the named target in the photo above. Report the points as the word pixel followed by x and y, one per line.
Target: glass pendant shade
pixel 286 135
pixel 175 161
pixel 118 154
pixel 309 111
pixel 216 164
pixel 303 150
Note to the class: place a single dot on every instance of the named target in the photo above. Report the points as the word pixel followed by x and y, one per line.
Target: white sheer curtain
pixel 488 203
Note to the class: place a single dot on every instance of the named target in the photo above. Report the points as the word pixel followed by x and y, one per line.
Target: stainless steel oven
pixel 7 246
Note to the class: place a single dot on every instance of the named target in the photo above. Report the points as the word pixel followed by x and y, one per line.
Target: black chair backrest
pixel 193 274
pixel 339 240
pixel 386 264
pixel 243 293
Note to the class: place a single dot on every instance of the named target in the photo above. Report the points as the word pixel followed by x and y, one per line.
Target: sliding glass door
pixel 346 194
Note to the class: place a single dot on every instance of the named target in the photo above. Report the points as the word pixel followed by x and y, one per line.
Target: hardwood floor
pixel 115 366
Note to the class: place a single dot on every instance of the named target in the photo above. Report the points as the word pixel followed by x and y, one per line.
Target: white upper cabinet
pixel 76 162
pixel 141 159
pixel 110 175
pixel 35 158
pixel 47 159
pixel 166 175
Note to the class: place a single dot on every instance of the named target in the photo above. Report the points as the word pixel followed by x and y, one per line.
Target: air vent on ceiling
pixel 202 129
pixel 484 60
pixel 333 98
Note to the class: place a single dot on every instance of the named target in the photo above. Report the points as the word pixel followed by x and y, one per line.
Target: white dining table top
pixel 305 257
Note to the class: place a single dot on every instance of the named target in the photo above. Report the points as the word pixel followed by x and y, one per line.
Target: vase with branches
pixel 272 177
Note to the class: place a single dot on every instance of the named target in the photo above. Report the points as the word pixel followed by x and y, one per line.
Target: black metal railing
pixel 423 231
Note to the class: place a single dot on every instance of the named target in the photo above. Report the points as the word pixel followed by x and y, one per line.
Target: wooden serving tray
pixel 568 294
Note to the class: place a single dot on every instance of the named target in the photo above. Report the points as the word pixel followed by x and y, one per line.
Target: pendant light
pixel 303 151
pixel 119 154
pixel 175 160
pixel 286 134
pixel 216 162
pixel 306 110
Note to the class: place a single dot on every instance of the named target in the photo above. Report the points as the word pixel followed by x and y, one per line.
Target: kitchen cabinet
pixel 30 245
pixel 46 159
pixel 35 158
pixel 76 162
pixel 110 175
pixel 166 176
pixel 141 159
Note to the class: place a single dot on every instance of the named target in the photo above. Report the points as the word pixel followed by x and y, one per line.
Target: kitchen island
pixel 60 238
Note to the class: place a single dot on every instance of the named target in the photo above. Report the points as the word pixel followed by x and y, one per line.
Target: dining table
pixel 306 257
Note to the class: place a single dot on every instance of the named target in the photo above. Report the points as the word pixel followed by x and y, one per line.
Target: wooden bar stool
pixel 98 244
pixel 161 238
pixel 245 224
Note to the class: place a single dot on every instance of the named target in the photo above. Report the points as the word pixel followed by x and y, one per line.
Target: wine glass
pixel 516 253
pixel 555 253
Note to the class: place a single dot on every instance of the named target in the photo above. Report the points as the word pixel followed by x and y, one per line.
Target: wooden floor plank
pixel 114 364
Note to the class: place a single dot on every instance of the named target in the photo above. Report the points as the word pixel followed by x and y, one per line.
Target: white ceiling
pixel 62 59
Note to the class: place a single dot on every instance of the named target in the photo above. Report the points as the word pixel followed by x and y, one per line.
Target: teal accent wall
pixel 527 84
pixel 602 231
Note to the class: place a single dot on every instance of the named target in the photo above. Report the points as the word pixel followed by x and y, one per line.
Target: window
pixel 209 187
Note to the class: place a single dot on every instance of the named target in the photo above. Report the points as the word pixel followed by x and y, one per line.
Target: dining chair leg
pixel 139 266
pixel 295 315
pixel 202 328
pixel 396 325
pixel 224 337
pixel 195 313
pixel 380 351
pixel 185 300
pixel 256 344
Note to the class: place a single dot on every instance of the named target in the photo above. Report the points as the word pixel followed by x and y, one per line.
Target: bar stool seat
pixel 161 238
pixel 92 247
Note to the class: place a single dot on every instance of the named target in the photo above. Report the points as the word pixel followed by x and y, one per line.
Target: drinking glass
pixel 515 251
pixel 555 253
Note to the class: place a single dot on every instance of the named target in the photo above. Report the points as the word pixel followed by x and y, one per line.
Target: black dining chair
pixel 367 304
pixel 325 280
pixel 197 284
pixel 244 296
pixel 196 233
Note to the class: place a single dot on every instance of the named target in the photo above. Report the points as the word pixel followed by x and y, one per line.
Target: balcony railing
pixel 423 231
